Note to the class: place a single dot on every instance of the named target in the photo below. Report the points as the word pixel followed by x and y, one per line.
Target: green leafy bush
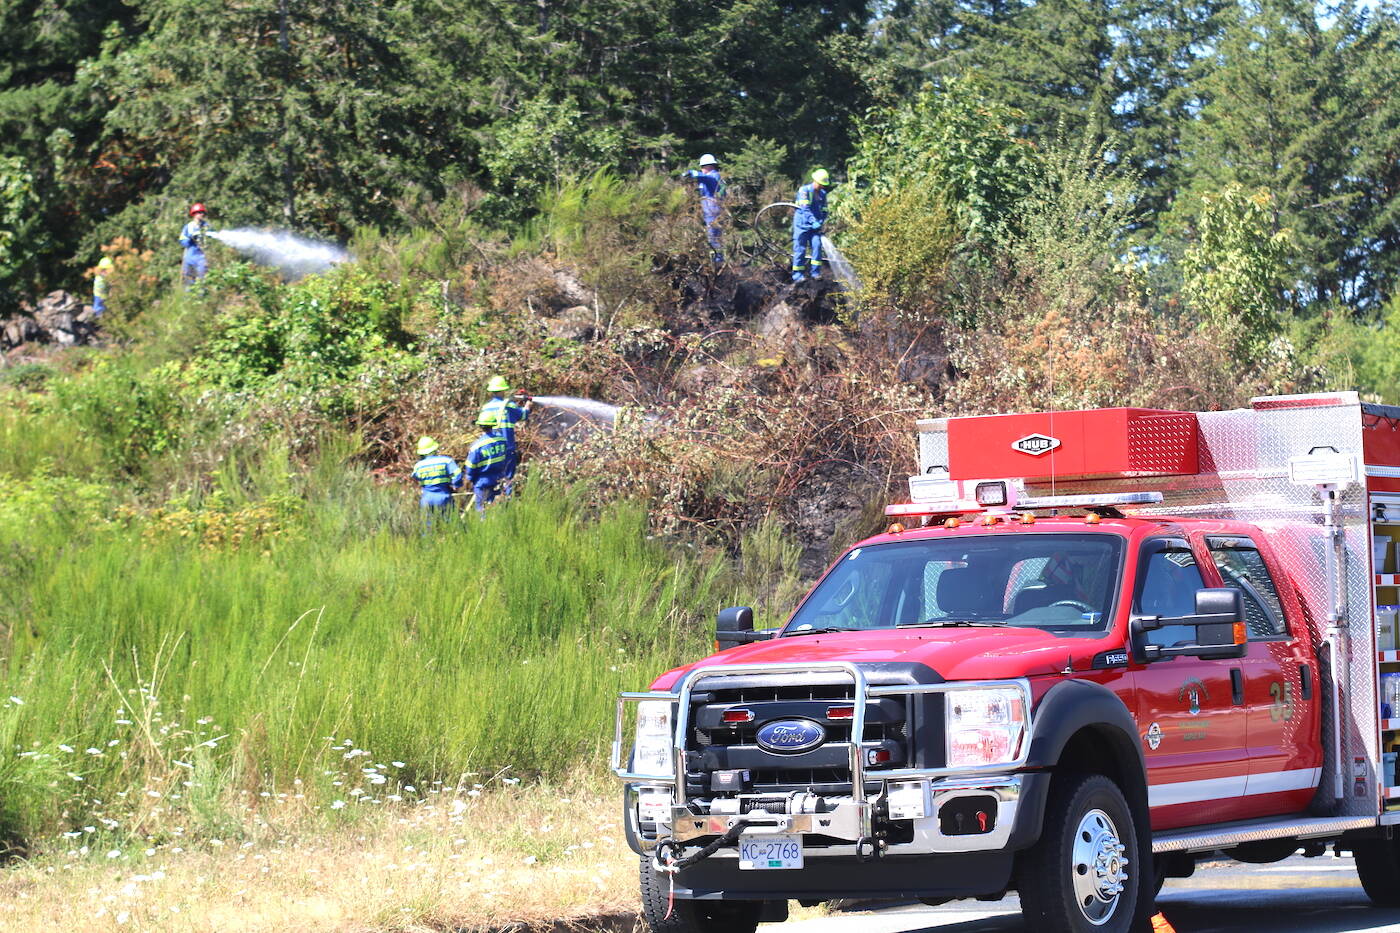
pixel 130 416
pixel 311 341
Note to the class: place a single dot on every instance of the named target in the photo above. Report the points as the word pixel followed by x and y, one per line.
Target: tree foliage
pixel 955 141
pixel 1297 105
pixel 1236 270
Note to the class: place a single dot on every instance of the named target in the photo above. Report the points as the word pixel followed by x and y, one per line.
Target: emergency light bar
pixel 1091 501
pixel 960 506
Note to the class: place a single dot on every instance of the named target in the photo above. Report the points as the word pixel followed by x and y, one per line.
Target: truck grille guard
pixel 862 692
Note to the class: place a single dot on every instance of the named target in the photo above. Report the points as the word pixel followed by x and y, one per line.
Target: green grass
pixel 488 645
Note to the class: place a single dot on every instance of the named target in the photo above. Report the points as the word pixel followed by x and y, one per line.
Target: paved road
pixel 1318 895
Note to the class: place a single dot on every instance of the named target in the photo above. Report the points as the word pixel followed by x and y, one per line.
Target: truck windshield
pixel 1063 583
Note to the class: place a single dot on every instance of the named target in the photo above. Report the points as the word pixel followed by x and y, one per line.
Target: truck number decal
pixel 1281 710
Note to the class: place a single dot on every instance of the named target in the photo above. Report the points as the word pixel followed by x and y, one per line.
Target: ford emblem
pixel 790 735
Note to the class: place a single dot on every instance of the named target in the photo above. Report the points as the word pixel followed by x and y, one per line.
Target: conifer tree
pixel 1304 109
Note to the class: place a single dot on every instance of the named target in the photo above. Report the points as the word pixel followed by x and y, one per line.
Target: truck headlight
pixel 652 745
pixel 984 726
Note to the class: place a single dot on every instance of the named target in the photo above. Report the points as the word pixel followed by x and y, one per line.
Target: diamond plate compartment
pixel 1244 458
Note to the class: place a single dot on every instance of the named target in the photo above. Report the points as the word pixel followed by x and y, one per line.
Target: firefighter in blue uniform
pixel 439 475
pixel 510 412
pixel 486 461
pixel 192 237
pixel 710 186
pixel 807 225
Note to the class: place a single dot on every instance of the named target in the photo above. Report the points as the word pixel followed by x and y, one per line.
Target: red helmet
pixel 197 209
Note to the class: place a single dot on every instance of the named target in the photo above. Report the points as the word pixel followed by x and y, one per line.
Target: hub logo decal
pixel 1191 691
pixel 789 736
pixel 1035 444
pixel 1154 736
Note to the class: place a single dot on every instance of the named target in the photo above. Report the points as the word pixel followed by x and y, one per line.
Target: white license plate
pixel 769 852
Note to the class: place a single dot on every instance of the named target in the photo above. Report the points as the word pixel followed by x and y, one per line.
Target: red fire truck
pixel 1093 648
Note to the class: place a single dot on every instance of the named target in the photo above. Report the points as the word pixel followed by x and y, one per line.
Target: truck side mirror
pixel 1219 622
pixel 1221 631
pixel 733 626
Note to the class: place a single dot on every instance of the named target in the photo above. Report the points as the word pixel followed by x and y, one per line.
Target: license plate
pixel 758 853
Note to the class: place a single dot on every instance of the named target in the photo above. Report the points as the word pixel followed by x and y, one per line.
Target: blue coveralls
pixel 100 290
pixel 440 475
pixel 195 266
pixel 509 415
pixel 486 466
pixel 711 188
pixel 806 231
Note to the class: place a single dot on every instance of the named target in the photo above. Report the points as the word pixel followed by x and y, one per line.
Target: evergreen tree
pixel 50 122
pixel 1118 69
pixel 1304 109
pixel 300 112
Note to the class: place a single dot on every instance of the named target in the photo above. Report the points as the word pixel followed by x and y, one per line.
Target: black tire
pixel 1085 873
pixel 687 916
pixel 1378 866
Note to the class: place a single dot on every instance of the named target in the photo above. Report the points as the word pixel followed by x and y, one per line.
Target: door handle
pixel 1237 686
pixel 1305 680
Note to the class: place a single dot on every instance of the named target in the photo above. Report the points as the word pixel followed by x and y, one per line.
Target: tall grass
pixel 485 645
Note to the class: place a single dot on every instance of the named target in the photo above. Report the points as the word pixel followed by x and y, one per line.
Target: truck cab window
pixel 1062 583
pixel 1167 584
pixel 853 594
pixel 1242 566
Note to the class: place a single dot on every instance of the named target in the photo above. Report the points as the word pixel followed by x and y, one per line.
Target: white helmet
pixel 708 159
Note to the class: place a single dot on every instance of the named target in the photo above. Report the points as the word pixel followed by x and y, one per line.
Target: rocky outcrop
pixel 59 318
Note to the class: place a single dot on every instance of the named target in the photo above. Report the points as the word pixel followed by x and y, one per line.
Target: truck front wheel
pixel 663 915
pixel 1083 874
pixel 1378 866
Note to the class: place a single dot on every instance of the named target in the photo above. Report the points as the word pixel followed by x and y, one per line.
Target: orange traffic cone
pixel 1160 924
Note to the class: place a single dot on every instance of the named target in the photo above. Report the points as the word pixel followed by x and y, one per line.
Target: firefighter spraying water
pixel 293 255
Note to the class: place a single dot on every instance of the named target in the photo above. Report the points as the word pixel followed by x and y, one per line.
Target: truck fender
pixel 1065 710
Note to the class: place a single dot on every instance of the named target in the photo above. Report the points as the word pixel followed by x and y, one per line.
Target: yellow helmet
pixel 427 446
pixel 821 177
pixel 487 418
pixel 498 384
pixel 105 262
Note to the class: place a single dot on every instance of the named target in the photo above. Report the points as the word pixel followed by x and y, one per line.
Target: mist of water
pixel 591 408
pixel 840 265
pixel 295 256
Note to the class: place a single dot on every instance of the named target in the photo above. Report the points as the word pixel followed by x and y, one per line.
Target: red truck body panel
pixel 1099 443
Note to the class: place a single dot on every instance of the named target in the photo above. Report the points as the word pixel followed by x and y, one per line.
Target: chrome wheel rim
pixel 1098 868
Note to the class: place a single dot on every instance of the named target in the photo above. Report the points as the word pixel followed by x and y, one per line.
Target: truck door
pixel 1279 687
pixel 1191 721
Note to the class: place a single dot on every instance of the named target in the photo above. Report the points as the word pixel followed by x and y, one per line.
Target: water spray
pixel 588 407
pixel 840 266
pixel 295 256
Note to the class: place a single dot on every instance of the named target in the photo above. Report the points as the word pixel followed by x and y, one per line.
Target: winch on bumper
pixel 912 801
pixel 934 816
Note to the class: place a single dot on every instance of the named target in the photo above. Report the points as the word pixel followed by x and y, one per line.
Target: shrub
pixel 131 417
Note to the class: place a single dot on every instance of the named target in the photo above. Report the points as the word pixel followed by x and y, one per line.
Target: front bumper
pixel 839 828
